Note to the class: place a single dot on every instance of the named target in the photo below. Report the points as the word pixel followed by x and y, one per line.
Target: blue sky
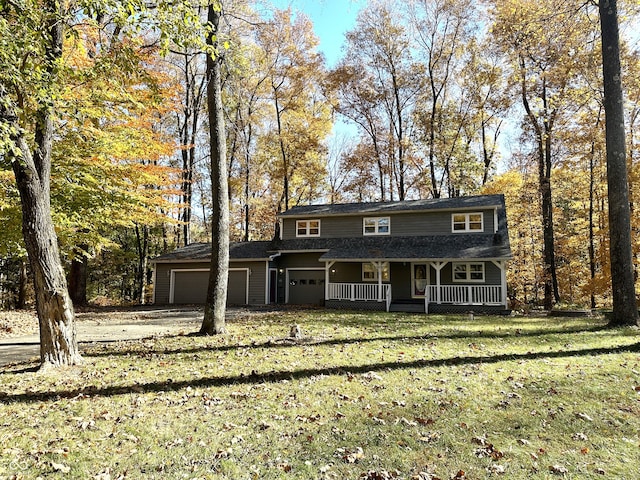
pixel 331 19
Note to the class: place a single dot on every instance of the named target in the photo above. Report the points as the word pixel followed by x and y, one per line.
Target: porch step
pixel 409 307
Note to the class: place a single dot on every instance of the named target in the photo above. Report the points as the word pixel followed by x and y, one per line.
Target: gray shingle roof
pixel 202 251
pixel 432 247
pixel 457 203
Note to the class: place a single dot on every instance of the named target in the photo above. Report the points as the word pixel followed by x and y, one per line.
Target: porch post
pixel 327 269
pixel 438 266
pixel 378 265
pixel 503 281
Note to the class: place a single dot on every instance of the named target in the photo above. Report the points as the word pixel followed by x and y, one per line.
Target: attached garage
pixel 306 287
pixel 190 286
pixel 182 276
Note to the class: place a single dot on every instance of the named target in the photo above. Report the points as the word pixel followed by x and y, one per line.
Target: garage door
pixel 190 287
pixel 306 287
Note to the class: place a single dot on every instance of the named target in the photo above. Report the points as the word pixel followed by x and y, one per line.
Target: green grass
pixel 363 395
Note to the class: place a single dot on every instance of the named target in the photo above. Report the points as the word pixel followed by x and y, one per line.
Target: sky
pixel 331 19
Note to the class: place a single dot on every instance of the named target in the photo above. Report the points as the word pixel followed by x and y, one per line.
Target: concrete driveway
pixel 110 326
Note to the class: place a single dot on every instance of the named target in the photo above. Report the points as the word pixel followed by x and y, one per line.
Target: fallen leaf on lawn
pixel 381 475
pixel 104 475
pixel 350 455
pixel 425 476
pixel 406 422
pixel 285 467
pixel 223 454
pixel 425 421
pixel 584 416
pixel 371 376
pixel 130 437
pixel 558 469
pixel 600 471
pixel 429 437
pixel 459 476
pixel 496 469
pixel 60 467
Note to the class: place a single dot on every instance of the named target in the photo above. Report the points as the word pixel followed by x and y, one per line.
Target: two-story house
pixel 432 255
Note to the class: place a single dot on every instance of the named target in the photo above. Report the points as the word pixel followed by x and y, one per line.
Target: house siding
pixel 300 260
pixel 402 224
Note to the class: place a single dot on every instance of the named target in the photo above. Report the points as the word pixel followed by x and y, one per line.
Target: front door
pixel 419 279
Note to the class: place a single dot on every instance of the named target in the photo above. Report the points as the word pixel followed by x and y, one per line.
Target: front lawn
pixel 362 395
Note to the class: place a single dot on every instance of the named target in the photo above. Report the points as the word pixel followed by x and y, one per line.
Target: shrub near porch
pixel 359 396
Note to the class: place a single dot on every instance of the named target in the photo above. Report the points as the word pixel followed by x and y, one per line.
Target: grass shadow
pixel 288 343
pixel 299 374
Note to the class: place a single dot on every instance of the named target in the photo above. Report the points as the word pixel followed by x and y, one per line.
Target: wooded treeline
pixel 440 98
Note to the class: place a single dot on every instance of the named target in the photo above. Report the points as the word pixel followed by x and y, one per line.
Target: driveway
pixel 108 326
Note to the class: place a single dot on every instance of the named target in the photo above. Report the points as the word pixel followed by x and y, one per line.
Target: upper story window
pixel 307 228
pixel 467 222
pixel 376 226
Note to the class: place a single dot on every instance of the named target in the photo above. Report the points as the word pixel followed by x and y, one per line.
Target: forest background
pixel 431 89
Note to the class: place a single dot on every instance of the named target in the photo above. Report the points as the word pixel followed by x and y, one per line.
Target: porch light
pixel 333 271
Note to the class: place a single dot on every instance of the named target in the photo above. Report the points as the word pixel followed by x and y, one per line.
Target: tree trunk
pixel 544 135
pixel 625 310
pixel 592 235
pixel 58 345
pixel 215 307
pixel 78 278
pixel 21 302
pixel 142 246
pixel 32 170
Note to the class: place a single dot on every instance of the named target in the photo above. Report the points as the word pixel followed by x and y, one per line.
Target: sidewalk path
pixel 110 326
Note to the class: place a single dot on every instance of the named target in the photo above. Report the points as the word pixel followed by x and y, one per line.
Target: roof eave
pixel 383 212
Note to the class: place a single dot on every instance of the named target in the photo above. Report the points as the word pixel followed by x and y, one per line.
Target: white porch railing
pixel 466 294
pixel 372 292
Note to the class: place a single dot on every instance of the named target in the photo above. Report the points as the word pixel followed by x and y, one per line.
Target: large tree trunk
pixel 58 345
pixel 625 310
pixel 215 308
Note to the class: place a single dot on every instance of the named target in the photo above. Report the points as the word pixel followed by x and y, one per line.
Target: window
pixel 308 228
pixel 467 222
pixel 468 272
pixel 376 226
pixel 370 272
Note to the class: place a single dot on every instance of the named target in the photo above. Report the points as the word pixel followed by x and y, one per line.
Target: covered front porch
pixel 417 286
